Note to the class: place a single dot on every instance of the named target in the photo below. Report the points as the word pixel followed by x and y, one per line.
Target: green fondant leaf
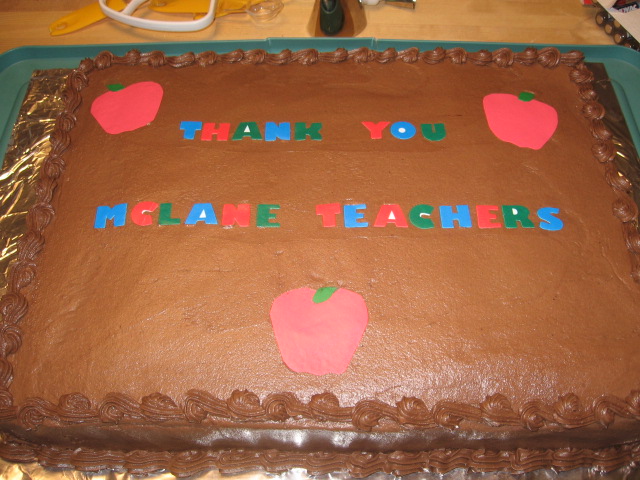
pixel 526 96
pixel 114 87
pixel 323 294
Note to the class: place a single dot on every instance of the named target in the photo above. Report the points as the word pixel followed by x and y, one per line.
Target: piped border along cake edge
pixel 365 415
pixel 356 464
pixel 199 407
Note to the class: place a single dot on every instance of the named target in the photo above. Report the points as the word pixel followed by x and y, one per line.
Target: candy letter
pixel 264 215
pixel 487 216
pixel 514 214
pixel 433 131
pixel 164 218
pixel 549 220
pixel 403 130
pixel 328 211
pixel 274 131
pixel 190 129
pixel 117 213
pixel 210 129
pixel 140 213
pixel 302 131
pixel 419 216
pixel 247 129
pixel 353 215
pixel 240 214
pixel 390 214
pixel 201 212
pixel 448 216
pixel 375 129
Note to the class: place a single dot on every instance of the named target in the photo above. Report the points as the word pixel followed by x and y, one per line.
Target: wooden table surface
pixel 26 22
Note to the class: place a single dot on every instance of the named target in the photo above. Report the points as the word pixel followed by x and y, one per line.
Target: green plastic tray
pixel 16 66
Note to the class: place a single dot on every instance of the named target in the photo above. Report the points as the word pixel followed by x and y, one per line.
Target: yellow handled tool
pixel 196 7
pixel 82 17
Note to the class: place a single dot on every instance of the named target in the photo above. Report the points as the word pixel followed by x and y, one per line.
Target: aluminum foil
pixel 28 149
pixel 35 472
pixel 627 159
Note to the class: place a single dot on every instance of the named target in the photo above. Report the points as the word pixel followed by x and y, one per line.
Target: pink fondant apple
pixel 124 109
pixel 520 120
pixel 318 331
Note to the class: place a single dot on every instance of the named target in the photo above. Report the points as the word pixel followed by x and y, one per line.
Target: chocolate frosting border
pixel 409 413
pixel 358 464
pixel 243 406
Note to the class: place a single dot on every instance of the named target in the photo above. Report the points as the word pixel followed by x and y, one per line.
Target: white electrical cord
pixel 126 16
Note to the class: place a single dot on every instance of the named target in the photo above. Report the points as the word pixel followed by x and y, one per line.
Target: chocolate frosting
pixel 359 464
pixel 454 404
